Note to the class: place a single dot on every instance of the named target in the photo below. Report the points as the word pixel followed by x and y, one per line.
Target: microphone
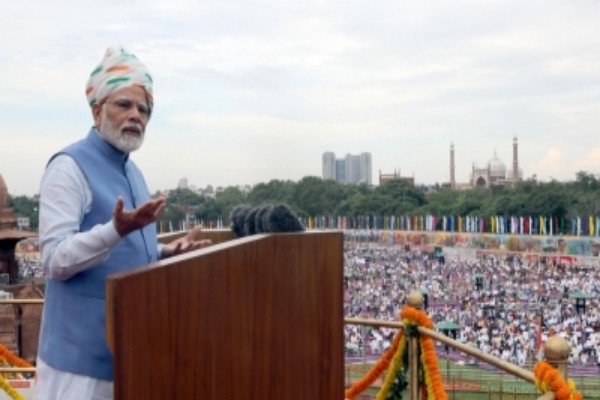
pixel 250 222
pixel 246 220
pixel 281 218
pixel 260 222
pixel 238 219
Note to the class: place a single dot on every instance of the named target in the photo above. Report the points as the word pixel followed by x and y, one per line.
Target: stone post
pixel 556 352
pixel 415 299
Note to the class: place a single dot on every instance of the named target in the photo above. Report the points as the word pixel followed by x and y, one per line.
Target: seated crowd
pixel 504 307
pixel 508 312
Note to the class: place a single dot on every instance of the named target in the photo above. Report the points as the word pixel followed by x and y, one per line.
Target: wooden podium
pixel 259 318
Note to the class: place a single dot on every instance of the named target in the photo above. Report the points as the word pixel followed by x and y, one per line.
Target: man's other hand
pixel 184 244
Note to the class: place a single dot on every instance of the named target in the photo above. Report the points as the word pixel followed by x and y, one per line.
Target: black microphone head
pixel 259 222
pixel 281 218
pixel 250 222
pixel 238 219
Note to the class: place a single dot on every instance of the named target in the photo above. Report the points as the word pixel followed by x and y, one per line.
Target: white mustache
pixel 135 126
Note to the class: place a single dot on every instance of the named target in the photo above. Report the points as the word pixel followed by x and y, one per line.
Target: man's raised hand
pixel 146 213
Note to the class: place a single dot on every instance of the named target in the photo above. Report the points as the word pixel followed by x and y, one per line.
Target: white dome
pixel 497 168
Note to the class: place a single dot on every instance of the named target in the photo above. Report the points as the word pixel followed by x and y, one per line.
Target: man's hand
pixel 129 221
pixel 185 244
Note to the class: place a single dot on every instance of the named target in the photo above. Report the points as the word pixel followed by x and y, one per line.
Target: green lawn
pixel 472 383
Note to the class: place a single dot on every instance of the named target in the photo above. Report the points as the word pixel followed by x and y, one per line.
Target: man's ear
pixel 96 111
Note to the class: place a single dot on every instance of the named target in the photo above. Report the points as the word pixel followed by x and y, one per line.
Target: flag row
pixel 498 224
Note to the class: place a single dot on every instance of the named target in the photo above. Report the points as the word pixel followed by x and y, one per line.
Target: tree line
pixel 312 196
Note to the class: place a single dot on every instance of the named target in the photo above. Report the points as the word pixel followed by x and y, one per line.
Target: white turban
pixel 117 70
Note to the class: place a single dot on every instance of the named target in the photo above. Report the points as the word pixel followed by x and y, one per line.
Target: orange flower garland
pixel 9 357
pixel 547 378
pixel 377 369
pixel 416 317
pixel 434 387
pixel 433 378
pixel 392 371
pixel 6 354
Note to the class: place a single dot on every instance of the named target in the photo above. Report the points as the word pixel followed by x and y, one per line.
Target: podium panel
pixel 259 317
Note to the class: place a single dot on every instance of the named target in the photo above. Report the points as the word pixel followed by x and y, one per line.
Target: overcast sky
pixel 249 91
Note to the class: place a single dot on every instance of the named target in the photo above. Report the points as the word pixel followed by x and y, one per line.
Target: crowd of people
pixel 29 266
pixel 506 307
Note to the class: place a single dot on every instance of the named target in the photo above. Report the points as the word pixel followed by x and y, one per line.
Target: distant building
pixel 494 173
pixel 350 169
pixel 329 166
pixel 182 184
pixel 190 215
pixel 384 178
pixel 7 216
pixel 10 235
pixel 23 222
pixel 209 191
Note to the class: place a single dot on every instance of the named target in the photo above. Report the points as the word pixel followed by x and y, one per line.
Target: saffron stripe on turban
pixel 117 70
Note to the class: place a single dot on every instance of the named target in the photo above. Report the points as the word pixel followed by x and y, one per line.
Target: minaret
pixel 515 173
pixel 452 178
pixel 3 193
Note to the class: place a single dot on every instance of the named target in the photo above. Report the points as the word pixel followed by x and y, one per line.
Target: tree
pixel 187 197
pixel 171 218
pixel 178 202
pixel 585 181
pixel 227 199
pixel 211 210
pixel 315 196
pixel 403 197
pixel 275 191
pixel 442 202
pixel 28 207
pixel 475 202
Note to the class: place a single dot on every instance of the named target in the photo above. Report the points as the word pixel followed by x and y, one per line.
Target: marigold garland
pixel 395 369
pixel 7 356
pixel 416 317
pixel 396 355
pixel 433 379
pixel 12 359
pixel 375 371
pixel 547 378
pixel 9 389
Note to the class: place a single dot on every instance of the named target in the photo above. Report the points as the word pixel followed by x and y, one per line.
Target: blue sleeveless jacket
pixel 73 334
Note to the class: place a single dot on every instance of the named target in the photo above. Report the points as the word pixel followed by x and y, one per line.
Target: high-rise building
pixel 329 165
pixel 365 166
pixel 350 169
pixel 182 184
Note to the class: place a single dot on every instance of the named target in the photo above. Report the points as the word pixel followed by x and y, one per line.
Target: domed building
pixel 496 168
pixel 494 173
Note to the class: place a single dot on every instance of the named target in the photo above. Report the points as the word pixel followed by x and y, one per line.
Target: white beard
pixel 115 136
